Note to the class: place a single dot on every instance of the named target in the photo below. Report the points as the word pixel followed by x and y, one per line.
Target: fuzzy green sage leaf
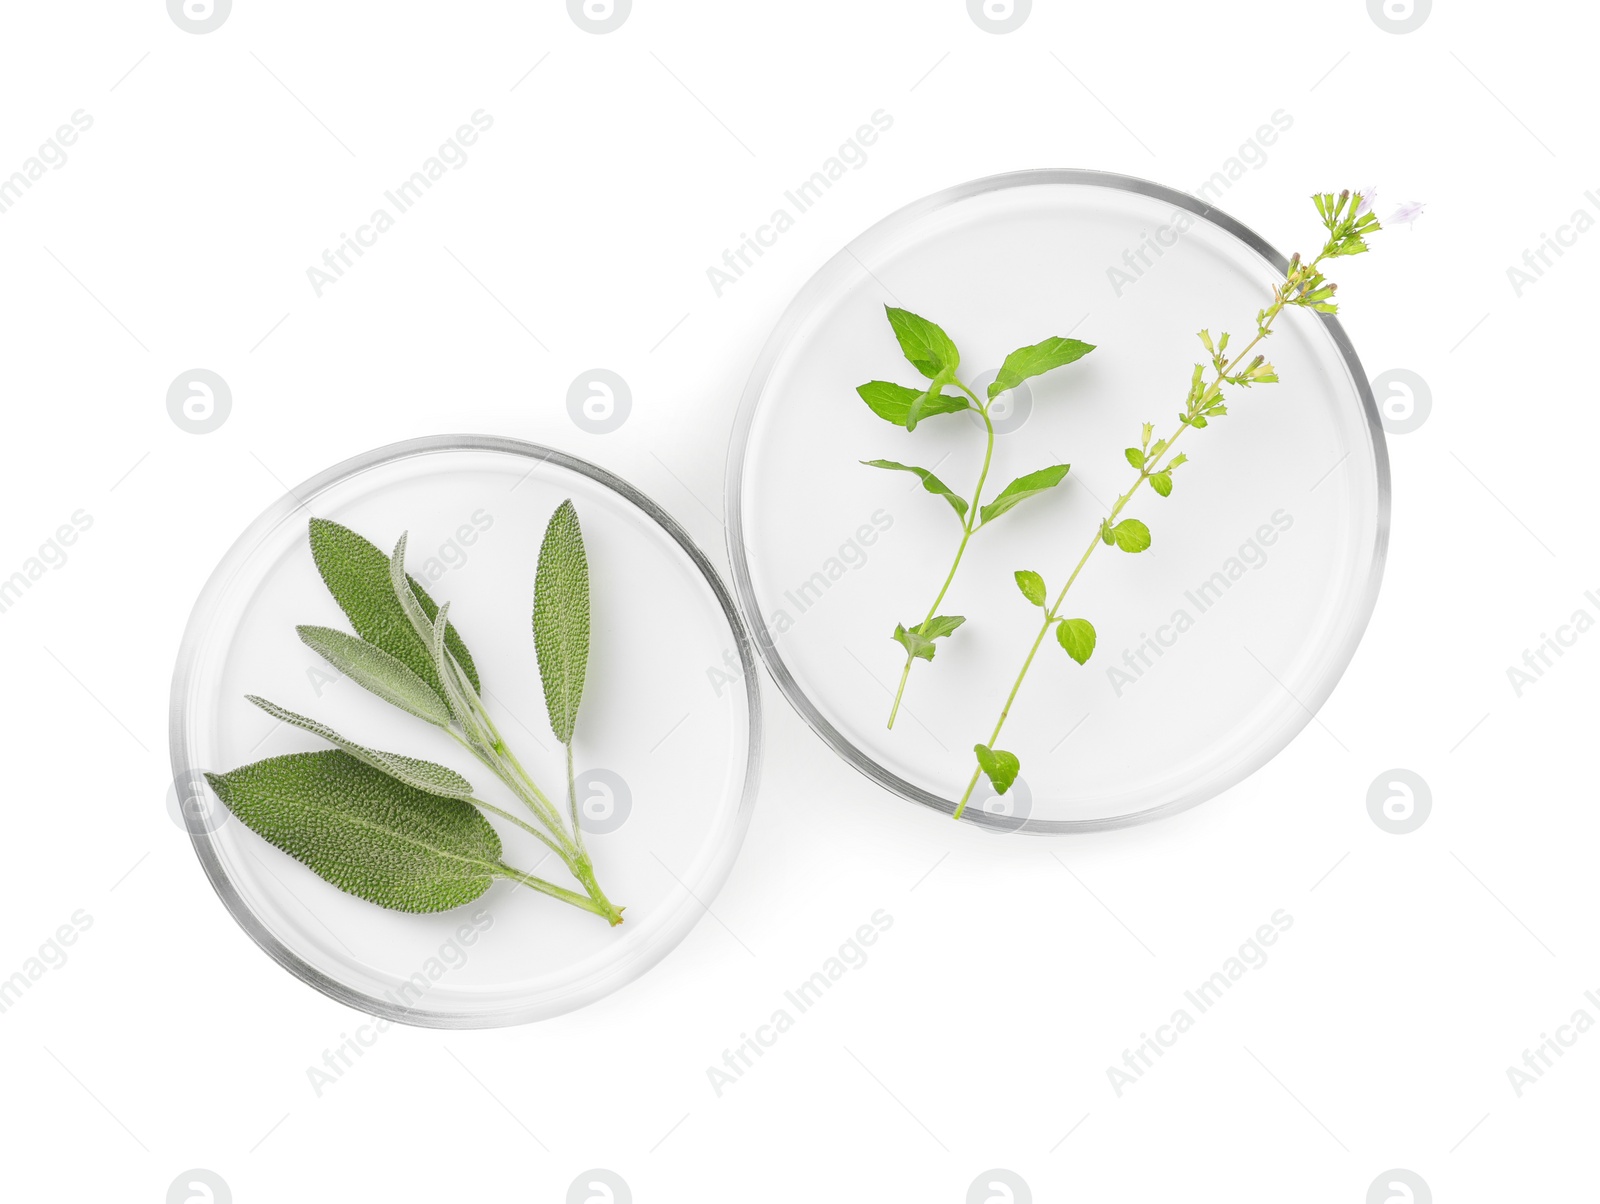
pixel 1031 585
pixel 356 573
pixel 423 775
pixel 561 618
pixel 365 832
pixel 371 668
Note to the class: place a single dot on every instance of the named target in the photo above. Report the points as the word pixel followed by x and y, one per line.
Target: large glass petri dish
pixel 667 743
pixel 1215 647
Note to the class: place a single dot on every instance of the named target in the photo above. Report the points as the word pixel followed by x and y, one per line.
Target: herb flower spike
pixel 1348 223
pixel 933 353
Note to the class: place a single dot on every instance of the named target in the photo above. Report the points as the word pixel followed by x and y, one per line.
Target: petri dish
pixel 667 742
pixel 1215 647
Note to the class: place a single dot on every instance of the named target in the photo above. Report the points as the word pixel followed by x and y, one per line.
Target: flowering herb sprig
pixel 1349 222
pixel 933 353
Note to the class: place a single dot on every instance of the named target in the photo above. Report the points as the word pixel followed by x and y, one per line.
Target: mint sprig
pixel 1348 224
pixel 933 353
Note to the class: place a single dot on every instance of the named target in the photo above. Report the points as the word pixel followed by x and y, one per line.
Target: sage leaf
pixel 561 618
pixel 1024 488
pixel 1031 585
pixel 929 349
pixel 929 482
pixel 364 831
pixel 1026 362
pixel 1135 456
pixel 1161 482
pixel 1077 636
pixel 998 766
pixel 893 402
pixel 423 775
pixel 1131 535
pixel 356 573
pixel 371 668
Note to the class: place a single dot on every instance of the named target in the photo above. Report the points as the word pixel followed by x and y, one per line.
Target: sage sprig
pixel 393 829
pixel 1348 223
pixel 933 353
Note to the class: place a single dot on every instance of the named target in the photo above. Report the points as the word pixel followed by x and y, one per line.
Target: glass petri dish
pixel 667 744
pixel 1215 647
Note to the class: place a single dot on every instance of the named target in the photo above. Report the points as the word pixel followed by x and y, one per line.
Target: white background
pixel 979 1032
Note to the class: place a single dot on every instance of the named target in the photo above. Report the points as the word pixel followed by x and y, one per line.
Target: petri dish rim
pixel 184 682
pixel 793 318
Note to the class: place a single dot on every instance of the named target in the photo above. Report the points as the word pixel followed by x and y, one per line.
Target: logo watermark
pixel 199 16
pixel 599 401
pixel 851 955
pixel 1251 955
pixel 199 401
pixel 49 557
pixel 1399 16
pixel 199 1186
pixel 1399 801
pixel 851 156
pixel 1251 555
pixel 51 955
pixel 51 156
pixel 1404 400
pixel 1542 657
pixel 399 200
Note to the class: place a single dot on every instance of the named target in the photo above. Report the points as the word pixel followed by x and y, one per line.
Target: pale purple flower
pixel 1368 195
pixel 1405 215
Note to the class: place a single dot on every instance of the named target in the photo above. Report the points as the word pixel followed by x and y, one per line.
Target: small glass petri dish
pixel 1215 647
pixel 667 743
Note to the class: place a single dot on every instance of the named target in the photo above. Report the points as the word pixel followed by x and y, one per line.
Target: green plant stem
pixel 1263 328
pixel 572 801
pixel 595 902
pixel 968 526
pixel 503 763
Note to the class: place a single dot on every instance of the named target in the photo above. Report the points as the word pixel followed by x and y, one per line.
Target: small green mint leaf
pixel 929 349
pixel 365 832
pixel 1031 585
pixel 916 645
pixel 1077 637
pixel 357 575
pixel 561 618
pixel 929 482
pixel 371 668
pixel 422 775
pixel 1027 362
pixel 893 402
pixel 1161 482
pixel 941 625
pixel 999 767
pixel 1022 489
pixel 1131 535
pixel 1135 456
